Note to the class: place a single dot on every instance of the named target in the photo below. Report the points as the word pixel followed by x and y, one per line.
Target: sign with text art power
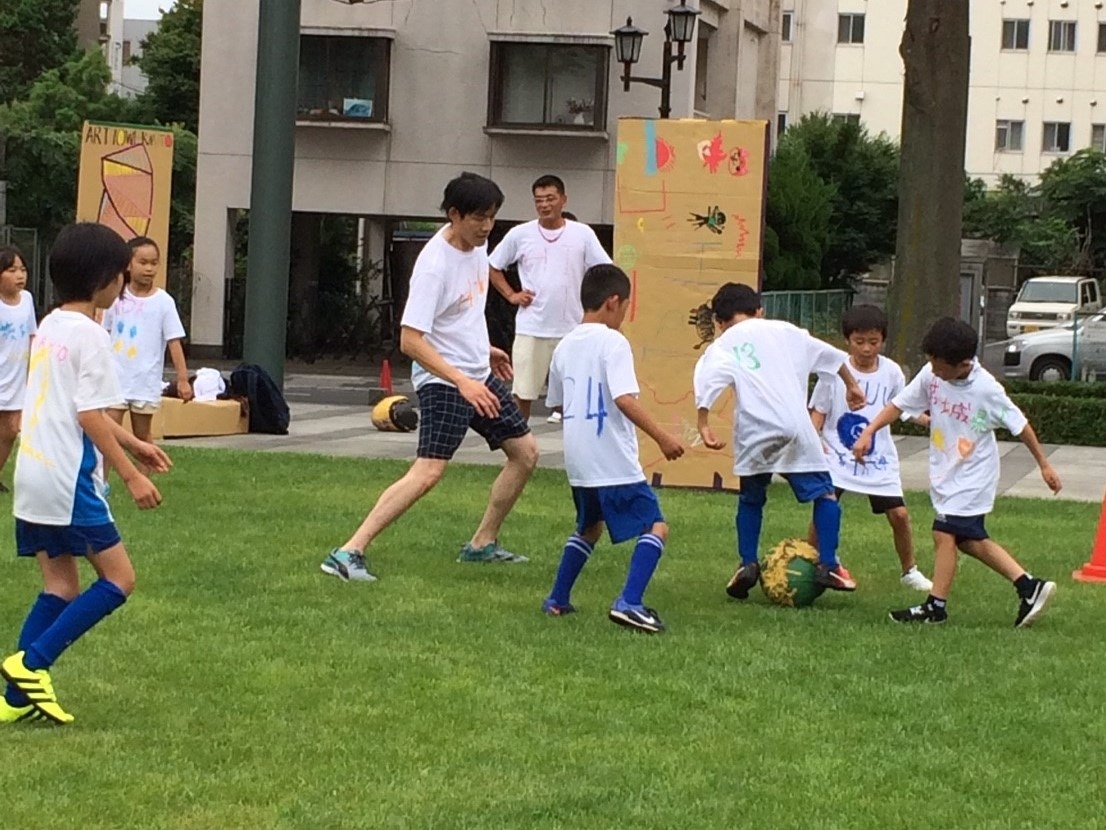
pixel 126 182
pixel 689 217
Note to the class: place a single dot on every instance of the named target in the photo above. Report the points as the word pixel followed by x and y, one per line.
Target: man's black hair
pixel 734 298
pixel 601 282
pixel 950 340
pixel 548 180
pixel 472 193
pixel 86 257
pixel 864 318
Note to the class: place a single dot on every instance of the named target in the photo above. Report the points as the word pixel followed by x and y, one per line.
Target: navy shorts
pixel 445 417
pixel 806 486
pixel 964 528
pixel 879 504
pixel 74 540
pixel 628 509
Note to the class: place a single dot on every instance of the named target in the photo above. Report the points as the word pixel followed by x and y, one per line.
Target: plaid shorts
pixel 445 417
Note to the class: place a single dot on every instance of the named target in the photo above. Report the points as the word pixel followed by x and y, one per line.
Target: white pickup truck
pixel 1047 302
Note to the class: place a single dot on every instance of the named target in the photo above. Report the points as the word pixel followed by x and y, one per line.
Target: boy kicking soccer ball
pixel 966 405
pixel 592 382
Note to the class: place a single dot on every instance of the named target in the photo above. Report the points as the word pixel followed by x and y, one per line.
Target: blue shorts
pixel 59 540
pixel 964 528
pixel 806 486
pixel 628 509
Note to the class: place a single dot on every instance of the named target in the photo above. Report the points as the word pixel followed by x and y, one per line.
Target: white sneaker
pixel 554 418
pixel 916 580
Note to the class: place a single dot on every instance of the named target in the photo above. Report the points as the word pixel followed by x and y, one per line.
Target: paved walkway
pixel 346 430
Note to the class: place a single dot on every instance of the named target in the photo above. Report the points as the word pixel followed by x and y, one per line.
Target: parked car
pixel 1047 302
pixel 1047 355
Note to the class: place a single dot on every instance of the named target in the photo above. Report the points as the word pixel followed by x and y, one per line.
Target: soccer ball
pixel 787 574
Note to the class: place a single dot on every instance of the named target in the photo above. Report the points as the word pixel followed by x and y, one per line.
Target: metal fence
pixel 819 312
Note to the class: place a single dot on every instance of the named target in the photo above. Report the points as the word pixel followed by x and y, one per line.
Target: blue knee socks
pixel 43 613
pixel 643 562
pixel 750 515
pixel 827 524
pixel 575 556
pixel 98 600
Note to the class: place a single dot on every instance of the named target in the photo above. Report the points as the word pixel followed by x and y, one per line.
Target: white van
pixel 1047 302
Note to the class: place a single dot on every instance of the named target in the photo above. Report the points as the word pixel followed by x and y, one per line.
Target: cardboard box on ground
pixel 196 419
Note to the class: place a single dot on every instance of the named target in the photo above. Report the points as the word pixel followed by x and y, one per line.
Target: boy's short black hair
pixel 8 255
pixel 548 181
pixel 601 282
pixel 950 340
pixel 142 242
pixel 864 318
pixel 86 257
pixel 472 193
pixel 734 298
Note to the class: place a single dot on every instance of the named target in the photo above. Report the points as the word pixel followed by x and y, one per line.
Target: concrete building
pixel 132 82
pixel 100 24
pixel 1038 75
pixel 396 98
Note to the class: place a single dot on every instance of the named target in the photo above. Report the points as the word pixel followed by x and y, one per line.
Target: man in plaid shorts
pixel 459 380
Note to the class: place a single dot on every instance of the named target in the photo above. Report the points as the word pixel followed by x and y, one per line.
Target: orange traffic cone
pixel 386 377
pixel 1095 569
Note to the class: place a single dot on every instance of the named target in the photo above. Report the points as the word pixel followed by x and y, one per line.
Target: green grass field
pixel 242 688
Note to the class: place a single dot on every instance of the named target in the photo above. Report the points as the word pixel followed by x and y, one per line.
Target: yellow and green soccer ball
pixel 788 573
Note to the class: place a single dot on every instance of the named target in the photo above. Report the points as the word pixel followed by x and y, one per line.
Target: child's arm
pixel 631 407
pixel 176 354
pixel 1051 477
pixel 818 419
pixel 854 395
pixel 706 433
pixel 889 414
pixel 148 453
pixel 98 427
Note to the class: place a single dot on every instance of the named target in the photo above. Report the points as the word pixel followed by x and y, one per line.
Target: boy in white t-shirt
pixel 552 254
pixel 768 364
pixel 966 405
pixel 593 384
pixel 142 323
pixel 865 330
pixel 60 514
pixel 458 377
pixel 17 327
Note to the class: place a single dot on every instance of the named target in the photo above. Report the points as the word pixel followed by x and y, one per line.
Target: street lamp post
pixel 680 29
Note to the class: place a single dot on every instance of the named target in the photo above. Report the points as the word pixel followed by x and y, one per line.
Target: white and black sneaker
pixel 1034 603
pixel 927 612
pixel 637 617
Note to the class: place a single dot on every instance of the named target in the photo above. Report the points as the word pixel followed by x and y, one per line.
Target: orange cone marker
pixel 1095 569
pixel 386 377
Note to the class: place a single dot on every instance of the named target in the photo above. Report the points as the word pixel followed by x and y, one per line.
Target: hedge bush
pixel 1061 388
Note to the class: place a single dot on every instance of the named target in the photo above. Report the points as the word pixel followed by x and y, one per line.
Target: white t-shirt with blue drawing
pixel 17 326
pixel 963 451
pixel 57 472
pixel 140 329
pixel 592 366
pixel 768 363
pixel 879 475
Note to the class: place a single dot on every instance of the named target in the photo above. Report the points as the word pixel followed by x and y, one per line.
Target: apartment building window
pixel 549 86
pixel 1098 137
pixel 1009 136
pixel 847 117
pixel 1015 34
pixel 1057 137
pixel 850 28
pixel 343 78
pixel 785 27
pixel 127 52
pixel 781 124
pixel 1101 38
pixel 1061 35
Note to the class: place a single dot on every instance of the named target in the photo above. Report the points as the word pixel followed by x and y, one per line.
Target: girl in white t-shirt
pixel 17 327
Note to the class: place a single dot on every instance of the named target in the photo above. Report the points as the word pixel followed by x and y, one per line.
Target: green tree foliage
pixel 35 36
pixel 863 171
pixel 171 61
pixel 799 212
pixel 1074 191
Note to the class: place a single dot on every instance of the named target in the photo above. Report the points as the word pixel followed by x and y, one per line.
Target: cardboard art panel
pixel 689 217
pixel 125 182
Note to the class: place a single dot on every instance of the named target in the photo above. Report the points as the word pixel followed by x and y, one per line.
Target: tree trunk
pixel 935 50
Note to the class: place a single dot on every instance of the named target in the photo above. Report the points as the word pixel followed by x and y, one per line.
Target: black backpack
pixel 268 409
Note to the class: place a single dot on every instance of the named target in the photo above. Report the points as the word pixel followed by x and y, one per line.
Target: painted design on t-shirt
pixel 746 356
pixel 10 331
pixel 123 333
pixel 849 427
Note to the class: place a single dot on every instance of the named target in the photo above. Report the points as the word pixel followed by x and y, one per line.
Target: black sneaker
pixel 637 617
pixel 925 613
pixel 744 579
pixel 1033 605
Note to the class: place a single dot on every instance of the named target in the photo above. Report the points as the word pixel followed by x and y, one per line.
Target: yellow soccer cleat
pixel 36 685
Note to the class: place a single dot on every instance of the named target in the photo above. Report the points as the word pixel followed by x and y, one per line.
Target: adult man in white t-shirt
pixel 458 377
pixel 552 254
